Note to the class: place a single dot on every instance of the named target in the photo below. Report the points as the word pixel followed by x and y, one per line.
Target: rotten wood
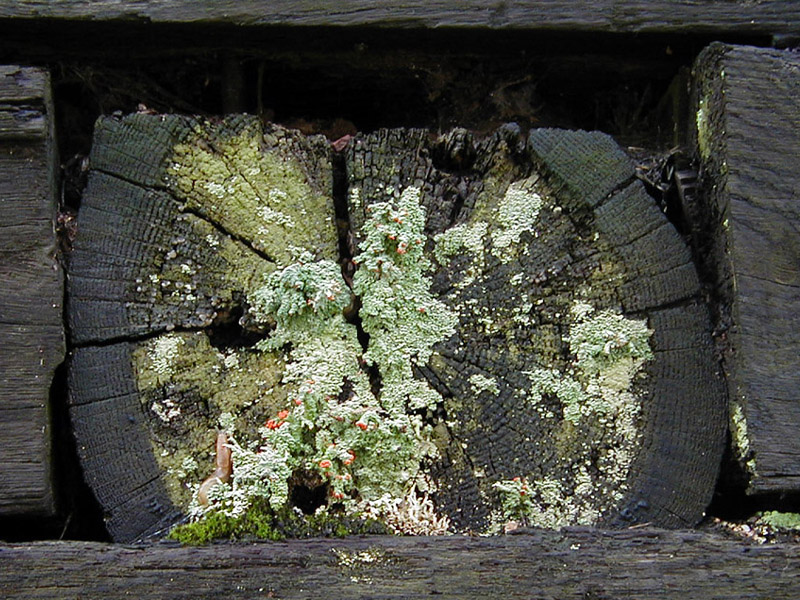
pixel 746 131
pixel 31 327
pixel 618 16
pixel 569 564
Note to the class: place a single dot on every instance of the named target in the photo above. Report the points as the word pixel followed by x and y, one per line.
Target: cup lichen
pixel 364 447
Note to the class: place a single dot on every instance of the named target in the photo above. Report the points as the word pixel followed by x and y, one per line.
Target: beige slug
pixel 222 474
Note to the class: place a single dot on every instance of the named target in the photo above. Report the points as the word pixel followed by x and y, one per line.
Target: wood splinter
pixel 222 473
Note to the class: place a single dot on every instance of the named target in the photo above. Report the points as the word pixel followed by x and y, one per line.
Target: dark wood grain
pixel 748 230
pixel 569 564
pixel 635 16
pixel 31 331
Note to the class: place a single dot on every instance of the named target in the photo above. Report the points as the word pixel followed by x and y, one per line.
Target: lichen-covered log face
pixel 514 323
pixel 270 187
pixel 546 387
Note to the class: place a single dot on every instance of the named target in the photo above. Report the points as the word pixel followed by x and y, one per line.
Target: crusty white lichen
pixel 609 351
pixel 516 214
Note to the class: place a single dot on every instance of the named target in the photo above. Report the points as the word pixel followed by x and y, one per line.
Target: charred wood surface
pixel 746 223
pixel 31 294
pixel 574 563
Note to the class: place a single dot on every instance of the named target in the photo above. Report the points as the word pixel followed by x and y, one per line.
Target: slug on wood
pixel 222 473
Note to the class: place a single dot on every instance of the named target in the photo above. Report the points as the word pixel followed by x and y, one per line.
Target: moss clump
pixel 263 522
pixel 781 520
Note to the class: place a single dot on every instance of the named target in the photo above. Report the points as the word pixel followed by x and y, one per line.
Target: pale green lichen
pixel 199 375
pixel 608 352
pixel 162 353
pixel 703 128
pixel 398 311
pixel 516 214
pixel 606 339
pixel 251 184
pixel 480 383
pixel 333 429
pixel 740 441
pixel 467 236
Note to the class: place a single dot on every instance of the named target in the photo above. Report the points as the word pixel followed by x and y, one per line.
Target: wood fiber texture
pixel 31 294
pixel 747 227
pixel 598 238
pixel 630 16
pixel 570 564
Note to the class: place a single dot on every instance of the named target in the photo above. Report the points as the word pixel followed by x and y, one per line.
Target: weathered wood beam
pixel 620 16
pixel 747 230
pixel 567 564
pixel 31 330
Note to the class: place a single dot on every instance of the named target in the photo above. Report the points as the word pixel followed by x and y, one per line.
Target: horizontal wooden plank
pixel 747 104
pixel 31 329
pixel 628 16
pixel 567 564
pixel 20 84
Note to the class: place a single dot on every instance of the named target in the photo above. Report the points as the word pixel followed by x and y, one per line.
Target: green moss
pixel 263 522
pixel 781 520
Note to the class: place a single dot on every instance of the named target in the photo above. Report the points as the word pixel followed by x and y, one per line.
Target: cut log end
pixel 527 319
